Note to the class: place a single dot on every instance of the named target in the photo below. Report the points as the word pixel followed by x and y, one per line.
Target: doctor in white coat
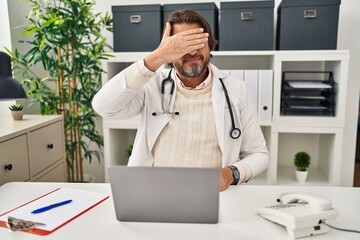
pixel 192 115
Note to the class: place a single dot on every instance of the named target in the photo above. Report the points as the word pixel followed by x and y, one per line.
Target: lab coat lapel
pixel 157 123
pixel 218 100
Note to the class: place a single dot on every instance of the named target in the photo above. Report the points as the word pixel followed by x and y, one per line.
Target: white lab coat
pixel 116 100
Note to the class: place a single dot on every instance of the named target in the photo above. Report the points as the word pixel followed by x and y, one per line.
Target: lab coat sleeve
pixel 116 100
pixel 253 151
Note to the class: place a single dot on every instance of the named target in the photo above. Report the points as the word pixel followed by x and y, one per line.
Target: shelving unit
pixel 321 136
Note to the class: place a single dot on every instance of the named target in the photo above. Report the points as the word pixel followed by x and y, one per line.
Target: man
pixel 193 126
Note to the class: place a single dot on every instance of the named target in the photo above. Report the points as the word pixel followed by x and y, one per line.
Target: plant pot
pixel 87 178
pixel 17 115
pixel 301 176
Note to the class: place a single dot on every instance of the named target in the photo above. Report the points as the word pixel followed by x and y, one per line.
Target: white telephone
pixel 300 214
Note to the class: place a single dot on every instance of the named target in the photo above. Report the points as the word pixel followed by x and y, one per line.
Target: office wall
pixel 348 38
pixel 5 41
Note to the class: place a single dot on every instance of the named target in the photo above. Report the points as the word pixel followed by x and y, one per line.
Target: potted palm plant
pixel 67 42
pixel 302 162
pixel 16 111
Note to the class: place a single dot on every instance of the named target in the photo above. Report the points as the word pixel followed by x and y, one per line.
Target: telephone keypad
pixel 281 206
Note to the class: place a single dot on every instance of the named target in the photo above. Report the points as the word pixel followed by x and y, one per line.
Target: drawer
pixel 53 174
pixel 45 147
pixel 14 163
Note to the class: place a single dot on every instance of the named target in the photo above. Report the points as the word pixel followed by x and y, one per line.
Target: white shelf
pixel 286 176
pixel 131 123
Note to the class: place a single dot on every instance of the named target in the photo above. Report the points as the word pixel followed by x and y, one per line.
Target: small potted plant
pixel 16 111
pixel 302 163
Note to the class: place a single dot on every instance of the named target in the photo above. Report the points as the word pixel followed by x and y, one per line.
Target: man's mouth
pixel 190 59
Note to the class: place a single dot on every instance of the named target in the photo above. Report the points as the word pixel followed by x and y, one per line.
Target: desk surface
pixel 237 218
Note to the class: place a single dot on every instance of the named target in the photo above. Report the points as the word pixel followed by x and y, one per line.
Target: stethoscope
pixel 234 133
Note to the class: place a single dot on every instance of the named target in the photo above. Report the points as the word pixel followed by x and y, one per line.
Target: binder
pixel 82 201
pixel 226 71
pixel 252 84
pixel 265 104
pixel 239 74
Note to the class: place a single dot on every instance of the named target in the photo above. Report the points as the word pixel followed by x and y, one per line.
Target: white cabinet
pixel 32 149
pixel 321 136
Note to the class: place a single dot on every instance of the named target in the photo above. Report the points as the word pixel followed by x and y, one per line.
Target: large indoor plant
pixel 66 40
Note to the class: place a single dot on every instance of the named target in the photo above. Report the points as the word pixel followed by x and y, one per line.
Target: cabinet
pixel 32 149
pixel 321 136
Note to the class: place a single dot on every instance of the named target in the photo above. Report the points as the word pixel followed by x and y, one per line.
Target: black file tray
pixel 303 96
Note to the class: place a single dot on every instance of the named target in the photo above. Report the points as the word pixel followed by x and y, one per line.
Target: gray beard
pixel 194 70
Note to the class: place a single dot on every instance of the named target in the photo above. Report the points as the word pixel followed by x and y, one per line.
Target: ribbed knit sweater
pixel 189 139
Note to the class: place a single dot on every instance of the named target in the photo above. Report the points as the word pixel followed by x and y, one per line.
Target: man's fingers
pixel 197 36
pixel 195 47
pixel 167 30
pixel 191 31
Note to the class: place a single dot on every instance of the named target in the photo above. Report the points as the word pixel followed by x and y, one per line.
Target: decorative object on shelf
pixel 68 43
pixel 10 89
pixel 302 163
pixel 16 111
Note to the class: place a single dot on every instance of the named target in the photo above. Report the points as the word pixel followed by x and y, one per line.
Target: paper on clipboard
pixel 53 219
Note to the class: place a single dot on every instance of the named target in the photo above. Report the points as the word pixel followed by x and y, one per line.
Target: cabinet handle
pixel 135 19
pixel 50 146
pixel 310 13
pixel 8 167
pixel 246 16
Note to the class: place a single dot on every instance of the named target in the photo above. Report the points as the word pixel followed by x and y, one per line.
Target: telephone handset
pixel 314 202
pixel 300 214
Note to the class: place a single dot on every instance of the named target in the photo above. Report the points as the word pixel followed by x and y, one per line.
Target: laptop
pixel 164 194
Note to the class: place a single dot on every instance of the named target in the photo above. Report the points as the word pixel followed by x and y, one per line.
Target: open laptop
pixel 163 194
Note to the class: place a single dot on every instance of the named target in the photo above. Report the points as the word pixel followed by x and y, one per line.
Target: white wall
pixel 348 38
pixel 5 41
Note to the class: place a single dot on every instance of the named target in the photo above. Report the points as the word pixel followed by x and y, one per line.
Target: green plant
pixel 16 107
pixel 68 43
pixel 128 151
pixel 302 161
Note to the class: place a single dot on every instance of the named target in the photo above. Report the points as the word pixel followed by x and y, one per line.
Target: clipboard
pixel 82 201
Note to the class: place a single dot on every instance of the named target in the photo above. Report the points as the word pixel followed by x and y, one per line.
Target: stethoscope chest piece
pixel 235 133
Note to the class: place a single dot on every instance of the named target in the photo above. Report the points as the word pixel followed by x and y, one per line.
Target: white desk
pixel 237 218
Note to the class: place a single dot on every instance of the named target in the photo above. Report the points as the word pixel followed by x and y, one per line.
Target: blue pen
pixel 44 209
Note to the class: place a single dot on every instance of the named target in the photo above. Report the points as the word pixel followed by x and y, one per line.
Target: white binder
pixel 226 71
pixel 236 73
pixel 265 96
pixel 252 83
